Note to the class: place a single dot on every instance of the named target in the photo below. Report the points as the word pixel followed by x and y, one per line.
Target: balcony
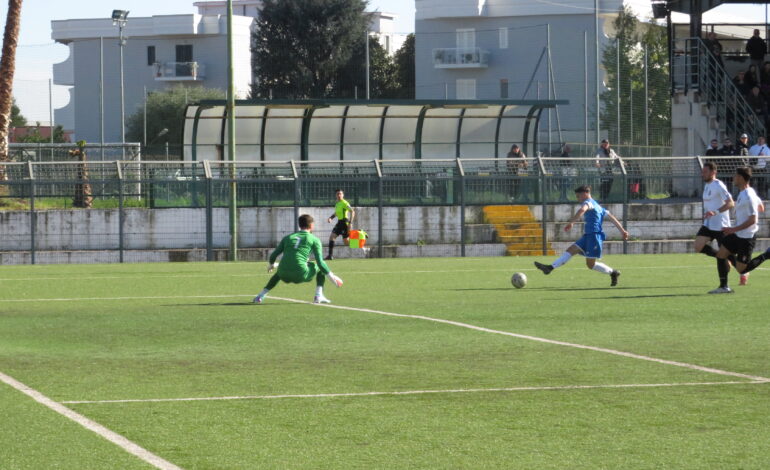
pixel 460 58
pixel 180 71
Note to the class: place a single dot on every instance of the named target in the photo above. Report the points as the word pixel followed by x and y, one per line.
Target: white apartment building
pixel 161 51
pixel 493 49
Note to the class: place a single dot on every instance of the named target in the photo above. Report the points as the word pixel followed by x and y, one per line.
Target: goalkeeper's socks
pixel 319 291
pixel 264 292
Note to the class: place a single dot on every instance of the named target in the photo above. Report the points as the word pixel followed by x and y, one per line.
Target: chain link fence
pixel 69 212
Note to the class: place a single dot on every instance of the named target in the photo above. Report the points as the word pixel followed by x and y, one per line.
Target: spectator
pixel 764 79
pixel 759 165
pixel 756 48
pixel 728 149
pixel 713 149
pixel 606 161
pixel 713 44
pixel 743 145
pixel 757 103
pixel 516 161
pixel 752 77
pixel 741 84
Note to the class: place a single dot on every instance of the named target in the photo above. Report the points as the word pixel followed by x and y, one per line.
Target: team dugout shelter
pixel 332 130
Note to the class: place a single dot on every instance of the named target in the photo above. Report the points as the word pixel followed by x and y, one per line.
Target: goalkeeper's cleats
pixel 335 280
pixel 320 299
pixel 259 299
pixel 546 268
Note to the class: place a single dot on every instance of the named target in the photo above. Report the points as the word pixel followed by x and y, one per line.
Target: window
pixel 504 88
pixel 184 53
pixel 466 38
pixel 150 55
pixel 465 89
pixel 503 38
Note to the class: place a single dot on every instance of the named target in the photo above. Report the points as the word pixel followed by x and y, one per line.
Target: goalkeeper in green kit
pixel 295 266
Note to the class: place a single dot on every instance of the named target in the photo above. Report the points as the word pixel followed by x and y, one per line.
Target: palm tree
pixel 7 69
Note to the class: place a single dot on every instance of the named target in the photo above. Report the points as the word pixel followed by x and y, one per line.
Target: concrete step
pixel 533 238
pixel 538 252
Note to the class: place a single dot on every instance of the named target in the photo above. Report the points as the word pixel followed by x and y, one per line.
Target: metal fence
pixel 437 207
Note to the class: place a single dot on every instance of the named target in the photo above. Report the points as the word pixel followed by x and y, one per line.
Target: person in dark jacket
pixel 713 150
pixel 756 48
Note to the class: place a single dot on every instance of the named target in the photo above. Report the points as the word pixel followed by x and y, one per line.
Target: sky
pixel 37 52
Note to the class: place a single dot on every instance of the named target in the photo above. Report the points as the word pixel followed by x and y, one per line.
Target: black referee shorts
pixel 342 228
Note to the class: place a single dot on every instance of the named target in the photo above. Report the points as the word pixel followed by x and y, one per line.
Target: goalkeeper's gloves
pixel 271 267
pixel 336 280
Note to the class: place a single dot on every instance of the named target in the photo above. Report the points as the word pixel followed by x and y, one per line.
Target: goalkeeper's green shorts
pixel 299 276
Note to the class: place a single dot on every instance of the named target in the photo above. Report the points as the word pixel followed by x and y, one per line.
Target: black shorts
pixel 717 235
pixel 742 248
pixel 342 228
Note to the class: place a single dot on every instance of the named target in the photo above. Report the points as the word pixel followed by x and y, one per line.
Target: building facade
pixel 160 52
pixel 498 49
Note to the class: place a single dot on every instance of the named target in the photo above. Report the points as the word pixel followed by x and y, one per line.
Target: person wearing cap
pixel 606 160
pixel 590 244
pixel 742 148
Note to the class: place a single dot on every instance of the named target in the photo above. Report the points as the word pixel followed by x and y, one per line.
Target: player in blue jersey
pixel 590 244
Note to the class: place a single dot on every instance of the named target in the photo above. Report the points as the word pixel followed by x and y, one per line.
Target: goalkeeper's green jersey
pixel 342 209
pixel 296 249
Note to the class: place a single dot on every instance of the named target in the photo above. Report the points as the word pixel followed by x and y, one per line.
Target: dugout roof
pixel 323 130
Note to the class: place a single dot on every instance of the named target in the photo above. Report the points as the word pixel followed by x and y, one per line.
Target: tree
pixel 17 119
pixel 7 70
pixel 35 137
pixel 382 74
pixel 300 46
pixel 626 56
pixel 405 75
pixel 165 110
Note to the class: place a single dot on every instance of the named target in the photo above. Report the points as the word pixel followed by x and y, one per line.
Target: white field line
pixel 416 392
pixel 541 340
pixel 431 319
pixel 347 273
pixel 111 436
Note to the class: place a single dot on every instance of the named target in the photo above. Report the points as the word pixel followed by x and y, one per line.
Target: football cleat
pixel 614 275
pixel 320 299
pixel 721 290
pixel 546 268
pixel 744 279
pixel 259 299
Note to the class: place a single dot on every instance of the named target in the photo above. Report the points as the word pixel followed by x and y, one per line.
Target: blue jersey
pixel 594 216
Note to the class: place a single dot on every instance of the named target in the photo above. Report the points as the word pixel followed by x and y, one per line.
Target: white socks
pixel 264 292
pixel 319 291
pixel 562 260
pixel 602 268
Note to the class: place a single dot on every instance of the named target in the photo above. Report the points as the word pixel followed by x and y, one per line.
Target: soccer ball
pixel 519 280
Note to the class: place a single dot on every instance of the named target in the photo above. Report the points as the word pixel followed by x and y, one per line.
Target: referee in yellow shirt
pixel 345 214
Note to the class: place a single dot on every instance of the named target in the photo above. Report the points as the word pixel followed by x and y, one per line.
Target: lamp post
pixel 119 19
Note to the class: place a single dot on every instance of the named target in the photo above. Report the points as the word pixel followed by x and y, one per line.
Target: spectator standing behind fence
pixel 713 150
pixel 759 166
pixel 517 163
pixel 566 171
pixel 741 84
pixel 743 146
pixel 756 48
pixel 606 160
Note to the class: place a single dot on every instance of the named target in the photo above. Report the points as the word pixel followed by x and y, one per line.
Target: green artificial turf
pixel 171 331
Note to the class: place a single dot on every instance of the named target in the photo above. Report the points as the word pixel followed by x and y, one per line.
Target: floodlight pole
pixel 121 23
pixel 367 63
pixel 233 252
